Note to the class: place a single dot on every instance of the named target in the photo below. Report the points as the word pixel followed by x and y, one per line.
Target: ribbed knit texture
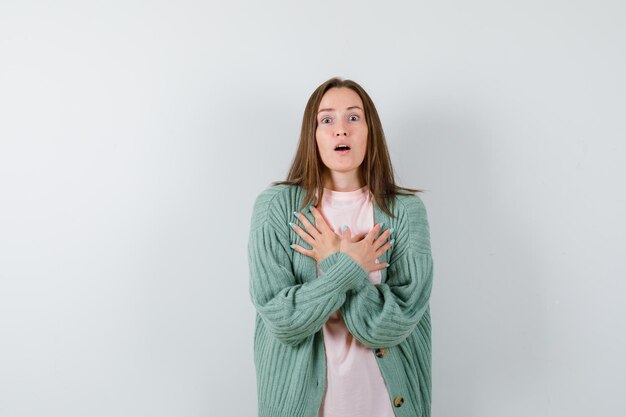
pixel 292 305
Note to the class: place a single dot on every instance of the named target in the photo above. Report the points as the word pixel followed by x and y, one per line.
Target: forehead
pixel 340 99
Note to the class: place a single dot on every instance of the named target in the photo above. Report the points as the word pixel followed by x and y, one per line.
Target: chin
pixel 343 168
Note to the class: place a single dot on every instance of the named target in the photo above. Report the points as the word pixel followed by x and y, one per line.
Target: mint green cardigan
pixel 292 304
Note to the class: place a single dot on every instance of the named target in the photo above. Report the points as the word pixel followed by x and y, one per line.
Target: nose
pixel 341 130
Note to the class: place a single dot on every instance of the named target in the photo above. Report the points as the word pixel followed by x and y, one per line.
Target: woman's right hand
pixel 366 248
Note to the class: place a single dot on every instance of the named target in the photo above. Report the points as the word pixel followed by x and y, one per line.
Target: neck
pixel 343 182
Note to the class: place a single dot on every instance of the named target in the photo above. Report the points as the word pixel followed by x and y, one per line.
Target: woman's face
pixel 341 121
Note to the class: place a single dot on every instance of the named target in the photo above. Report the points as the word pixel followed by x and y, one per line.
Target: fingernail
pixel 382 225
pixel 391 230
pixel 292 246
pixel 293 226
pixel 295 213
pixel 387 266
pixel 391 241
pixel 344 227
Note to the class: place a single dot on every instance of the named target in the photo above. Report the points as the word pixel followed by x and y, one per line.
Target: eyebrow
pixel 348 108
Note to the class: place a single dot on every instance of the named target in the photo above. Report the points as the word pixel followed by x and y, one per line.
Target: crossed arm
pixel 377 315
pixel 384 314
pixel 293 311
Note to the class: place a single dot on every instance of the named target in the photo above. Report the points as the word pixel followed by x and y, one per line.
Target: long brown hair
pixel 376 169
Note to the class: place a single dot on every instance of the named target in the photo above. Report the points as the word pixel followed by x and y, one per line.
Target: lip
pixel 342 143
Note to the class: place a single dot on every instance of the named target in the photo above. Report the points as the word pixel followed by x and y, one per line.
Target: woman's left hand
pixel 322 238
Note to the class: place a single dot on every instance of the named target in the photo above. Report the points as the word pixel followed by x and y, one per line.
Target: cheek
pixel 321 136
pixel 318 143
pixel 318 133
pixel 362 130
pixel 363 137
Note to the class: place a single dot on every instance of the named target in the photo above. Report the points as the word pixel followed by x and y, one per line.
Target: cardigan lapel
pixel 381 217
pixel 304 266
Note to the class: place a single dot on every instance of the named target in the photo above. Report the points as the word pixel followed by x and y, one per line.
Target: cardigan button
pixel 398 401
pixel 381 352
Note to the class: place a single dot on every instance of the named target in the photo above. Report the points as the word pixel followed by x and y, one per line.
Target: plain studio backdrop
pixel 135 136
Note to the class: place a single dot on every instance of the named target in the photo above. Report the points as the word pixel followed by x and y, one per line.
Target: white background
pixel 135 135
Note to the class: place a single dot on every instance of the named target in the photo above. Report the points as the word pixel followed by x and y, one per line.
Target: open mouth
pixel 342 149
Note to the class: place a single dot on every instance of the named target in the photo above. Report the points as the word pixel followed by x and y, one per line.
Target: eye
pixel 325 118
pixel 354 117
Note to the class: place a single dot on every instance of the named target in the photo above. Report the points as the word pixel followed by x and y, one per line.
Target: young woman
pixel 341 273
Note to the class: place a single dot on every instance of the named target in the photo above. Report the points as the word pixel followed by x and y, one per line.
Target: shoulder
pixel 413 218
pixel 412 205
pixel 271 195
pixel 270 201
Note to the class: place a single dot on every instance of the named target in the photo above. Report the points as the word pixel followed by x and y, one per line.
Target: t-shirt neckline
pixel 345 195
pixel 344 199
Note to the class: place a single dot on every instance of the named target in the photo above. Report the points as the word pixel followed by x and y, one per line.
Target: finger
pixel 346 233
pixel 384 248
pixel 382 265
pixel 371 235
pixel 308 226
pixel 302 250
pixel 320 222
pixel 382 239
pixel 357 238
pixel 304 235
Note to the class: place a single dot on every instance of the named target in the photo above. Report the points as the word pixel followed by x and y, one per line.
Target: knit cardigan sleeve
pixel 292 310
pixel 385 314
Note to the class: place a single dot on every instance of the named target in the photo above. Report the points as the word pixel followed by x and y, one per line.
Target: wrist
pixel 354 258
pixel 329 260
